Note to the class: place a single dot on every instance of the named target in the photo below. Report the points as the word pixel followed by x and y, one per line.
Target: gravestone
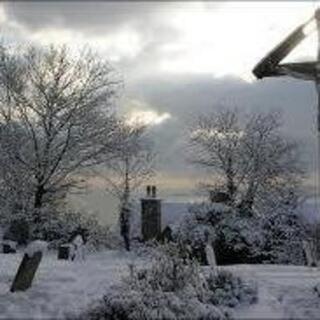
pixel 64 252
pixel 310 253
pixel 219 197
pixel 75 248
pixel 211 259
pixel 150 215
pixel 28 266
pixel 166 235
pixel 9 246
pixel 78 248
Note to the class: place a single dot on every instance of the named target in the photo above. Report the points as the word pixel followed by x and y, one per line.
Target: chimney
pixel 150 214
pixel 148 191
pixel 154 191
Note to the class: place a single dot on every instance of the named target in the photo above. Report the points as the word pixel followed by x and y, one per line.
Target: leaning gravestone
pixel 29 266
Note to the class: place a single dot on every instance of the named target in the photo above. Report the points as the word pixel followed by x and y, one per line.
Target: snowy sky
pixel 180 59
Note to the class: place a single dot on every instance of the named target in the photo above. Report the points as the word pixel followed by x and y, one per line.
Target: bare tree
pixel 57 106
pixel 215 143
pixel 131 166
pixel 253 161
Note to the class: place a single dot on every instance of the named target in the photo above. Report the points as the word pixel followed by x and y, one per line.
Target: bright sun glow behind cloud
pixel 232 38
pixel 149 117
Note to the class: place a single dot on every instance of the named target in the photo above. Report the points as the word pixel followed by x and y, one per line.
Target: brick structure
pixel 150 214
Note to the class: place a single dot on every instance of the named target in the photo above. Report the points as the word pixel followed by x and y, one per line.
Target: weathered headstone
pixel 150 215
pixel 211 259
pixel 78 248
pixel 28 267
pixel 310 253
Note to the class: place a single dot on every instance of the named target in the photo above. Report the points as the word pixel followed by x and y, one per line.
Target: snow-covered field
pixel 62 287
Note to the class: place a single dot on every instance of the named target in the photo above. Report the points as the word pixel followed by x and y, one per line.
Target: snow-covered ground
pixel 284 292
pixel 62 287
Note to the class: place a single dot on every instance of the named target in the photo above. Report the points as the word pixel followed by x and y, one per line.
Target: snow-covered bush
pixel 239 239
pixel 18 230
pixel 236 238
pixel 228 290
pixel 172 288
pixel 198 227
pixel 170 271
pixel 154 305
pixel 242 238
pixel 58 227
pixel 283 235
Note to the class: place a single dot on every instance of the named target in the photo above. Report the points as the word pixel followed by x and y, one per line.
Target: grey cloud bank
pixel 151 28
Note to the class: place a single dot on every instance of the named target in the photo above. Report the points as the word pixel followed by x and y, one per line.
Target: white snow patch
pixel 36 246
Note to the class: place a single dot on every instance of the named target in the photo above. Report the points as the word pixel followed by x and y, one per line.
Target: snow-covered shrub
pixel 283 235
pixel 198 227
pixel 58 227
pixel 225 289
pixel 18 231
pixel 239 239
pixel 154 305
pixel 242 238
pixel 170 271
pixel 170 289
pixel 235 238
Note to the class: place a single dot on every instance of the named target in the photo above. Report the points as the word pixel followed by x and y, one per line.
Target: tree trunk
pixel 125 210
pixel 246 203
pixel 38 197
pixel 230 180
pixel 38 202
pixel 125 226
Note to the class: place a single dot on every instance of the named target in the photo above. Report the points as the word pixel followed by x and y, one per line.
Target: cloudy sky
pixel 180 59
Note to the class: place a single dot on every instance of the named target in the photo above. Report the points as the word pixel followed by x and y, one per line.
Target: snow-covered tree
pixel 56 109
pixel 252 160
pixel 132 165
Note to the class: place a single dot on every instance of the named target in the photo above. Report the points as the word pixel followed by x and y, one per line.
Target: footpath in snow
pixel 61 287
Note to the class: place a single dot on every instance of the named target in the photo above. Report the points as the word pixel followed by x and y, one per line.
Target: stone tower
pixel 150 214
